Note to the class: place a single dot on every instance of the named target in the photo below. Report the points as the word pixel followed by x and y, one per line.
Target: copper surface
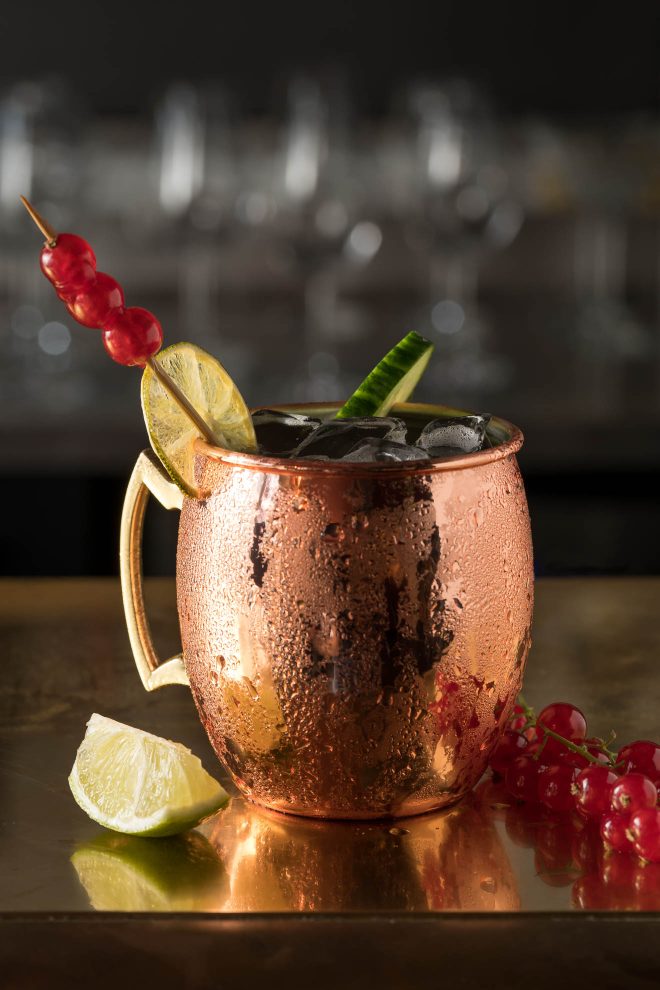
pixel 355 636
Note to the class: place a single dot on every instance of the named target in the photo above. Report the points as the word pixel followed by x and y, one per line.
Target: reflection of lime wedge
pixel 392 380
pixel 133 782
pixel 208 387
pixel 124 873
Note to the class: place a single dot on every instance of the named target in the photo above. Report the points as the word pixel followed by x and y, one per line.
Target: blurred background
pixel 293 187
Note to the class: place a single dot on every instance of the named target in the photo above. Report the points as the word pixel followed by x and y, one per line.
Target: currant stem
pixel 530 722
pixel 573 747
pixel 184 404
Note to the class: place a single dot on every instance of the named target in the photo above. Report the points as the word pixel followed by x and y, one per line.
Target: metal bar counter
pixel 487 893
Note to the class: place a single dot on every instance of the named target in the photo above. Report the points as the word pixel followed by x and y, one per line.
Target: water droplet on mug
pixel 396 830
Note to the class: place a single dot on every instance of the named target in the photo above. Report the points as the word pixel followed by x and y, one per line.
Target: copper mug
pixel 354 634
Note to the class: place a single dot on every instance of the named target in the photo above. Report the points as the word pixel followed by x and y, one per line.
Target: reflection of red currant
pixel 69 264
pixel 132 335
pixel 554 853
pixel 613 831
pixel 94 304
pixel 586 846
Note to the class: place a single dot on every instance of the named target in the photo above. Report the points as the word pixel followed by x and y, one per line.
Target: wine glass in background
pixel 609 335
pixel 466 207
pixel 320 209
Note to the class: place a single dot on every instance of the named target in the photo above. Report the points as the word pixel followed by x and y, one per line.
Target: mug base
pixel 407 809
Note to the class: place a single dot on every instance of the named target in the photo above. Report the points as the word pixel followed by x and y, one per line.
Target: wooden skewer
pixel 166 381
pixel 178 396
pixel 49 233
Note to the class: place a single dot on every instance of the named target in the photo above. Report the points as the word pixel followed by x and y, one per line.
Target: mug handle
pixel 148 476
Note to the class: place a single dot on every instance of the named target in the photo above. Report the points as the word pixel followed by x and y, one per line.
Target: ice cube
pixel 445 452
pixel 338 437
pixel 463 434
pixel 281 432
pixel 384 451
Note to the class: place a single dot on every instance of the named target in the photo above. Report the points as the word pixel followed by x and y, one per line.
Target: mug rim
pixel 300 466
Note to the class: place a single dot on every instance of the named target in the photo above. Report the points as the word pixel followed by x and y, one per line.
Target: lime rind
pixel 211 391
pixel 393 380
pixel 136 783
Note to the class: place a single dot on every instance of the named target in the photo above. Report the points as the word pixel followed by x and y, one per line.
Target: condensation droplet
pixel 397 830
pixel 489 884
pixel 251 689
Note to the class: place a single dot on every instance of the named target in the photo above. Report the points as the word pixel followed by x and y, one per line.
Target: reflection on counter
pixel 452 861
pixel 126 873
pixel 468 858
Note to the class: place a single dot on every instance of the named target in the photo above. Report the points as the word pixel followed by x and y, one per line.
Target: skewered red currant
pixel 132 335
pixel 94 304
pixel 511 745
pixel 632 792
pixel 69 264
pixel 641 756
pixel 613 830
pixel 592 791
pixel 555 786
pixel 645 831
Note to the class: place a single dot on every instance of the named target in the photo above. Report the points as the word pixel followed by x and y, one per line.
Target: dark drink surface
pixel 380 439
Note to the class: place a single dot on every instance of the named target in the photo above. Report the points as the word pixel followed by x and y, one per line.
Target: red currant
pixel 132 335
pixel 554 787
pixel 518 719
pixel 592 791
pixel 522 778
pixel 645 831
pixel 511 745
pixel 93 306
pixel 613 829
pixel 632 792
pixel 641 756
pixel 564 719
pixel 70 264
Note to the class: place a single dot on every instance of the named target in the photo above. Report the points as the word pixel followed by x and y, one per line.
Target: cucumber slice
pixel 393 379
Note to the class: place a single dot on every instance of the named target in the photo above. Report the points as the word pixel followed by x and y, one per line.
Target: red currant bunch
pixel 130 336
pixel 549 760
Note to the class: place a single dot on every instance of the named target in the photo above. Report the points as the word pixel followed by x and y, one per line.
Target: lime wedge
pixel 126 873
pixel 137 783
pixel 392 380
pixel 208 387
